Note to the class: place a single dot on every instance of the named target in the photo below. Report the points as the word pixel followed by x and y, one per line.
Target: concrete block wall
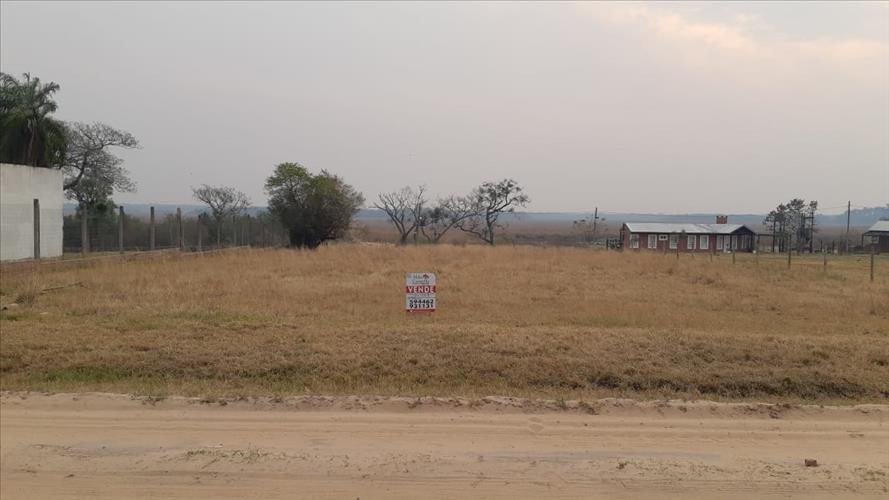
pixel 20 185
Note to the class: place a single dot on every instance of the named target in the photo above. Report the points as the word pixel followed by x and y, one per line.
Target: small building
pixel 878 236
pixel 31 200
pixel 689 238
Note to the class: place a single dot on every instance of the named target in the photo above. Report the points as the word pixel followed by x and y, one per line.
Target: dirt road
pixel 113 446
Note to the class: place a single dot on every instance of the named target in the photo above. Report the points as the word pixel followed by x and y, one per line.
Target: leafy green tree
pixel 792 224
pixel 29 135
pixel 314 208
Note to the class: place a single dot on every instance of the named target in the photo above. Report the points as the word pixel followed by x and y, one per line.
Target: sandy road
pixel 112 446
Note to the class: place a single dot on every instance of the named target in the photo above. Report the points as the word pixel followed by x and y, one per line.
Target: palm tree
pixel 28 134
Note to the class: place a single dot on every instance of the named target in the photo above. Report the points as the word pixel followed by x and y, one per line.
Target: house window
pixel 705 241
pixel 662 237
pixel 674 241
pixel 720 242
pixel 634 241
pixel 652 241
pixel 690 241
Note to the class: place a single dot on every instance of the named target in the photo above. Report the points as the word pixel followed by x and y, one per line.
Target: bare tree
pixel 223 202
pixel 489 201
pixel 104 176
pixel 403 207
pixel 435 221
pixel 87 150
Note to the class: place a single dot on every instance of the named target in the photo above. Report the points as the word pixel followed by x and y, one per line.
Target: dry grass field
pixel 522 321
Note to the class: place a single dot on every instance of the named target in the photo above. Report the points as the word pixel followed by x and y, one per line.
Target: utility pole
pixel 848 219
pixel 595 222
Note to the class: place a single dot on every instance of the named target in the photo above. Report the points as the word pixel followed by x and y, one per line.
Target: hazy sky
pixel 684 107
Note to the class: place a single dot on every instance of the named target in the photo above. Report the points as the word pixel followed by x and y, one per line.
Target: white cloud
pixel 743 37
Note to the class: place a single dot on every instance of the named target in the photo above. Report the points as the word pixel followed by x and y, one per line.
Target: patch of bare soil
pixel 117 446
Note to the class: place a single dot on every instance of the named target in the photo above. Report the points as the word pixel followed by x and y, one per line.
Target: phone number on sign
pixel 421 303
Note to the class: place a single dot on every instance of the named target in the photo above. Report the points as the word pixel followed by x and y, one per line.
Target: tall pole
pixel 84 231
pixel 595 222
pixel 789 256
pixel 120 229
pixel 151 230
pixel 179 232
pixel 36 229
pixel 848 219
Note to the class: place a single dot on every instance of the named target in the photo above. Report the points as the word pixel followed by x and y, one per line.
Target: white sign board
pixel 420 292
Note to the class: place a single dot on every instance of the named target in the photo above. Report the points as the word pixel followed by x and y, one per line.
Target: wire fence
pixel 103 231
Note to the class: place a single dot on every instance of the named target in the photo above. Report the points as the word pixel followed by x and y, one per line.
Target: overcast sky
pixel 685 107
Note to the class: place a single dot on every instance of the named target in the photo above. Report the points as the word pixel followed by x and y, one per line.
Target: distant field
pixel 524 321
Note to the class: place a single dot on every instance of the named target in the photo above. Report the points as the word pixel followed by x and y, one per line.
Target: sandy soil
pixel 115 446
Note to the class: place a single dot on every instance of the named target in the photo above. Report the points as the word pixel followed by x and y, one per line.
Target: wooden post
pixel 120 229
pixel 825 259
pixel 151 230
pixel 733 256
pixel 180 234
pixel 37 229
pixel 84 231
pixel 872 247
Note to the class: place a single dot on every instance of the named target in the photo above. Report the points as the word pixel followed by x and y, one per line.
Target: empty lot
pixel 514 321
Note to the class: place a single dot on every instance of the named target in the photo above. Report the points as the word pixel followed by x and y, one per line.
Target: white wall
pixel 19 186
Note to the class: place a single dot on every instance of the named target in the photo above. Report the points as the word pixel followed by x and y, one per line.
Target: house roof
pixel 882 226
pixel 667 227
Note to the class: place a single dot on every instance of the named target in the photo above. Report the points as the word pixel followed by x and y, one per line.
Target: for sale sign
pixel 420 292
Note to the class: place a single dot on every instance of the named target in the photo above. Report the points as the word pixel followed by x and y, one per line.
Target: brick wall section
pixel 744 244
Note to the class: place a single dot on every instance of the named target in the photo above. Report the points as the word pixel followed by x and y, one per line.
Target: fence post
pixel 825 259
pixel 120 228
pixel 151 229
pixel 36 229
pixel 733 256
pixel 789 256
pixel 84 231
pixel 179 233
